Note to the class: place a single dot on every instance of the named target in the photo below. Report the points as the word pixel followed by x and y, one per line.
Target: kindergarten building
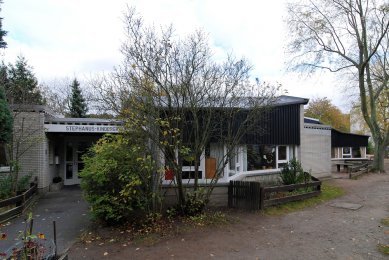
pixel 53 146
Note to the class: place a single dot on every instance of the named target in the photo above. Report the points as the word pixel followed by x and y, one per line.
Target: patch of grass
pixel 385 221
pixel 383 249
pixel 328 192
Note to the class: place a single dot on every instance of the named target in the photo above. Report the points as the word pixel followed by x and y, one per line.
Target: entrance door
pixel 73 161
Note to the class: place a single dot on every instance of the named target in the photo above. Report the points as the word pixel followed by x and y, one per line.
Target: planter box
pixel 56 186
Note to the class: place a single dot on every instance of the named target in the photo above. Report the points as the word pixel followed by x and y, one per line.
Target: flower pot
pixel 56 186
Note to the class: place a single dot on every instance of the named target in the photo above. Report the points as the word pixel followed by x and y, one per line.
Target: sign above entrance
pixel 56 128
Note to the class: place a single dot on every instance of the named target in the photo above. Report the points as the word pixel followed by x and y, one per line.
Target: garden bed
pixel 253 196
pixel 282 194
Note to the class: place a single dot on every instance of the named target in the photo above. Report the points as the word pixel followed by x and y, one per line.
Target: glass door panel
pixel 74 152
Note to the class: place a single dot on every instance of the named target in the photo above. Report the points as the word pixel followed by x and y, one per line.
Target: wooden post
pixel 262 198
pixel 230 194
pixel 55 237
pixel 258 196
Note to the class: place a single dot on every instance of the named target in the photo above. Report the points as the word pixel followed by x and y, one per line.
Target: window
pixel 234 162
pixel 191 174
pixel 188 165
pixel 189 161
pixel 282 157
pixel 260 157
pixel 346 151
pixel 356 152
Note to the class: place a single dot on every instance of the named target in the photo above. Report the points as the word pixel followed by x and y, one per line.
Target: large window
pixel 261 157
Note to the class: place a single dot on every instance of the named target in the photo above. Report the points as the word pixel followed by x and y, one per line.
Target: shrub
pixel 6 185
pixel 57 179
pixel 293 173
pixel 24 182
pixel 195 203
pixel 117 179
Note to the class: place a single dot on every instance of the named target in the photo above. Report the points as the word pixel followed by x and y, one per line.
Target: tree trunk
pixel 180 187
pixel 379 156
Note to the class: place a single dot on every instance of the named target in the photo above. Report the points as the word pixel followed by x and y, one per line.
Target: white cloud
pixel 70 37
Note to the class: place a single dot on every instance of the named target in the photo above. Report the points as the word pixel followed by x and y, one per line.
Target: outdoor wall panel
pixel 316 149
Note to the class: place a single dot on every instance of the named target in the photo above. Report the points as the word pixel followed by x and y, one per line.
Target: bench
pixel 344 164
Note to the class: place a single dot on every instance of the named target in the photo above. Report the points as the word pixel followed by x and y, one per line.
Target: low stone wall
pixel 265 179
pixel 219 196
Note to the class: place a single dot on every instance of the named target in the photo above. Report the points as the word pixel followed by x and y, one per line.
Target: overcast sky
pixel 68 38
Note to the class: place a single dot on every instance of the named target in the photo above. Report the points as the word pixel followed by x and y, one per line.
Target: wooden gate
pixel 244 195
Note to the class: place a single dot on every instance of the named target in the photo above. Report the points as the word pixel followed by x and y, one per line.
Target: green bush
pixel 24 182
pixel 116 179
pixel 293 173
pixel 6 185
pixel 195 203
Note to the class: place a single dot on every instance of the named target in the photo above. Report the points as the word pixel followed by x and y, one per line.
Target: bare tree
pixel 57 93
pixel 183 100
pixel 345 36
pixel 109 94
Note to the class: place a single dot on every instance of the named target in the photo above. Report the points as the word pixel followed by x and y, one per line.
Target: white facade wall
pixel 316 149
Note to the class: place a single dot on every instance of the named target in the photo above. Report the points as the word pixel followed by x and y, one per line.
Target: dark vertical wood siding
pixel 275 126
pixel 339 139
pixel 280 126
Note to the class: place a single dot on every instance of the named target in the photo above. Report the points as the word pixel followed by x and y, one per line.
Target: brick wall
pixel 31 142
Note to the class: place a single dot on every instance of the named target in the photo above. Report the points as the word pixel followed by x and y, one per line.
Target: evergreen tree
pixel 5 118
pixel 3 33
pixel 22 87
pixel 77 103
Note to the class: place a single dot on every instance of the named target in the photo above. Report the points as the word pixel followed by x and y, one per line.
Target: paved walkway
pixel 66 207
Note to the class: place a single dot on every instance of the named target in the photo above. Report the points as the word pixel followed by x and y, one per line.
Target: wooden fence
pixel 359 168
pixel 19 203
pixel 244 195
pixel 250 195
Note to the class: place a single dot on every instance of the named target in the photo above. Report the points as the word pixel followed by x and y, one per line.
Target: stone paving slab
pixel 346 205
